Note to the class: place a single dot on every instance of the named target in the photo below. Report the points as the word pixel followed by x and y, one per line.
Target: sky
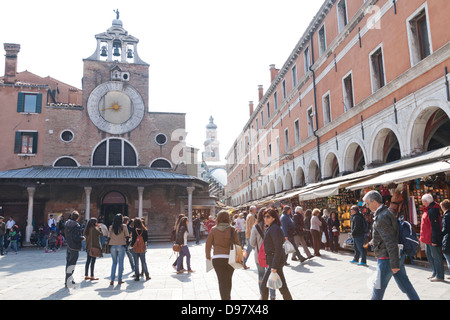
pixel 207 57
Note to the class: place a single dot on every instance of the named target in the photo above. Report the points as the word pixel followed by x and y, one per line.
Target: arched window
pixel 161 164
pixel 114 152
pixel 65 162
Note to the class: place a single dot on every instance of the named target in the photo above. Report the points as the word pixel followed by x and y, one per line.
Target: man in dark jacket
pixel 74 237
pixel 385 243
pixel 288 228
pixel 358 227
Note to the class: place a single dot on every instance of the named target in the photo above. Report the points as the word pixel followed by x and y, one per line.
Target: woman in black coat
pixel 275 256
pixel 445 206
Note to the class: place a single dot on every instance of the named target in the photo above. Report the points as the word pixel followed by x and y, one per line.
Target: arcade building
pixel 97 150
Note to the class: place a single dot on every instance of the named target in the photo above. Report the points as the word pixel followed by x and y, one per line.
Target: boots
pixel 147 277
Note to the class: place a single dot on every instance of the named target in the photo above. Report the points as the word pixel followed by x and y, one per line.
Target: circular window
pixel 67 136
pixel 161 139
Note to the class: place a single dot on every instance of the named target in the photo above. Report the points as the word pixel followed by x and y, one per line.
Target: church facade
pixel 98 150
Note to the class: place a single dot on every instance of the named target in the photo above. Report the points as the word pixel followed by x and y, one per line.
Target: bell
pixel 116 52
pixel 130 54
pixel 103 52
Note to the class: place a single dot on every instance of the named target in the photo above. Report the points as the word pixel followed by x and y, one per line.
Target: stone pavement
pixel 35 275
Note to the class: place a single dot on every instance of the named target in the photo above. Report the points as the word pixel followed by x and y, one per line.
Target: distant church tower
pixel 211 143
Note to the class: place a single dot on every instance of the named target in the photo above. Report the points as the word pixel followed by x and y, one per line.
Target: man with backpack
pixel 385 241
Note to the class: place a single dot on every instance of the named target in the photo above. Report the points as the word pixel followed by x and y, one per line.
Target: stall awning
pixel 327 190
pixel 400 176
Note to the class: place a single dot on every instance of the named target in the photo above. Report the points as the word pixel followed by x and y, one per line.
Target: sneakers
pixel 362 264
pixel 353 261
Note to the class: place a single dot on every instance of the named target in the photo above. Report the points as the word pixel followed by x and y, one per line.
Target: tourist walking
pixel 182 234
pixel 250 221
pixel 316 224
pixel 288 228
pixel 118 237
pixel 196 223
pixel 92 233
pixel 139 230
pixel 358 226
pixel 129 223
pixel 431 235
pixel 299 235
pixel 307 226
pixel 74 237
pixel 333 225
pixel 256 241
pixel 240 228
pixel 275 256
pixel 445 205
pixel 220 240
pixel 13 237
pixel 385 243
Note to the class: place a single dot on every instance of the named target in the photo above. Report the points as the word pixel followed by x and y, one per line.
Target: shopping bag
pixel 236 257
pixel 274 281
pixel 288 247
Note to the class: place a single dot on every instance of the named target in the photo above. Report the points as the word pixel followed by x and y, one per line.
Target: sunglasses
pixel 267 217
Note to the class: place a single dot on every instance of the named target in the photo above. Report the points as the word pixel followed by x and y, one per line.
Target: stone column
pixel 87 191
pixel 29 228
pixel 190 190
pixel 141 201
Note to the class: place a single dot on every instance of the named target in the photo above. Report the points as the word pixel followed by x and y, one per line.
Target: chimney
pixel 250 104
pixel 261 92
pixel 273 72
pixel 12 50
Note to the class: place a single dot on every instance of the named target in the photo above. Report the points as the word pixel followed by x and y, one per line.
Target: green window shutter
pixel 35 142
pixel 39 103
pixel 20 101
pixel 18 142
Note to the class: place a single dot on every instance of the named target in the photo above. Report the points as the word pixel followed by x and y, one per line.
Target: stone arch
pixel 422 122
pixel 331 168
pixel 279 187
pixel 265 190
pixel 313 172
pixel 355 157
pixel 272 188
pixel 288 185
pixel 299 177
pixel 386 147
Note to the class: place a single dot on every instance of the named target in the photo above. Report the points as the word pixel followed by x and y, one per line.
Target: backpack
pixel 407 238
pixel 139 245
pixel 261 252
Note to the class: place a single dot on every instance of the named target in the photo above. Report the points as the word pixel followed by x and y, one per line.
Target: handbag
pixel 95 252
pixel 176 247
pixel 236 257
pixel 106 247
pixel 288 247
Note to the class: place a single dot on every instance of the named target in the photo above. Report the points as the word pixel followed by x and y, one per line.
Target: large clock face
pixel 115 107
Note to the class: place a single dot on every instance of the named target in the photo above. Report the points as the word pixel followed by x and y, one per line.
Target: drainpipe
pixel 315 107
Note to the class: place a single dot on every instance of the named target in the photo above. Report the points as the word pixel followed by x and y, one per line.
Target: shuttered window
pixel 29 102
pixel 26 142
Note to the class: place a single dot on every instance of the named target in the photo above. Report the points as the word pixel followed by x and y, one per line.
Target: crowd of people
pixel 266 232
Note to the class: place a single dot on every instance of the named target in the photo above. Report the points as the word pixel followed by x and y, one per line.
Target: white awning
pixel 405 174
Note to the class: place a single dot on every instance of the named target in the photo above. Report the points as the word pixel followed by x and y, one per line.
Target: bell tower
pixel 115 59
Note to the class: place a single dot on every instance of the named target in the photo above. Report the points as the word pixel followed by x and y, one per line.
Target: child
pixel 52 241
pixel 59 240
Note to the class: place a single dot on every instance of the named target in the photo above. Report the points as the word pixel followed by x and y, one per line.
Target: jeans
pixel 197 235
pixel 241 236
pixel 358 245
pixel 117 255
pixel 384 275
pixel 71 261
pixel 261 272
pixel 248 250
pixel 447 257
pixel 284 289
pixel 1 244
pixel 184 253
pixel 136 257
pixel 434 257
pixel 224 274
pixel 14 244
pixel 90 261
